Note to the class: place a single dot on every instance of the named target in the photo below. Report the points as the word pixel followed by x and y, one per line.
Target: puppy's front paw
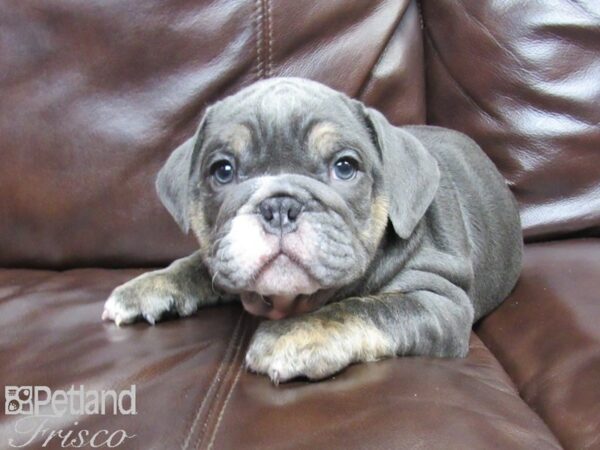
pixel 148 296
pixel 313 346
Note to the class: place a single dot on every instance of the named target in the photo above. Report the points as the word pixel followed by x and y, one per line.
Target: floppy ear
pixel 173 179
pixel 411 173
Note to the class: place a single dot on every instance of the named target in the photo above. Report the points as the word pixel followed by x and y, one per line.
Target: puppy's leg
pixel 181 288
pixel 434 319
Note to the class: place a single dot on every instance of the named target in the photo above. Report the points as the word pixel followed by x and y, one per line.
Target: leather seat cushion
pixel 547 337
pixel 192 390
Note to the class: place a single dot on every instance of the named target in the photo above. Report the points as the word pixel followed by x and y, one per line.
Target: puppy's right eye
pixel 222 171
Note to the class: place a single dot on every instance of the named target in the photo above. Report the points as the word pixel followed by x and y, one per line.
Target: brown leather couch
pixel 95 94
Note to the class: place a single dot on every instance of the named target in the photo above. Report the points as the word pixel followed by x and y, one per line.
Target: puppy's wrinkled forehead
pixel 281 101
pixel 276 115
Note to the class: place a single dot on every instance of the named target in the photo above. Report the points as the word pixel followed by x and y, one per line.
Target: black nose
pixel 279 214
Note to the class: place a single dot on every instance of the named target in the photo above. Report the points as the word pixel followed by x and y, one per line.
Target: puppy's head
pixel 289 186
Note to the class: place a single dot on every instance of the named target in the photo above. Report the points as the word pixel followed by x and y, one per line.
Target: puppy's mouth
pixel 283 275
pixel 282 287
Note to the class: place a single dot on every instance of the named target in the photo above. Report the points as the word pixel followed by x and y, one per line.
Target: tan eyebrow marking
pixel 322 138
pixel 238 137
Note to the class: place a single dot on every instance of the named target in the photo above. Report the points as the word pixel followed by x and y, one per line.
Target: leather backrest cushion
pixel 95 95
pixel 523 79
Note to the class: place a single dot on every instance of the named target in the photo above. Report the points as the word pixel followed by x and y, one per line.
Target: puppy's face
pixel 288 187
pixel 284 197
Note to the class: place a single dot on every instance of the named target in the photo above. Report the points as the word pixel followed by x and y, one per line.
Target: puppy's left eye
pixel 344 168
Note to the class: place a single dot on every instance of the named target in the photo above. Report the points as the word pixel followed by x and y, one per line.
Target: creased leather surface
pixel 547 336
pixel 52 336
pixel 401 404
pixel 193 393
pixel 95 96
pixel 521 78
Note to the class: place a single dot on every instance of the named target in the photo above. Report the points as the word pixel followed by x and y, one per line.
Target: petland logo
pixel 39 405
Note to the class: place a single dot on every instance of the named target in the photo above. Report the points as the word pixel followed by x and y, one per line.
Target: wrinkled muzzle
pixel 282 242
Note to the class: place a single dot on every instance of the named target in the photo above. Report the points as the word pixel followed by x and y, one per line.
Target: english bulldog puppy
pixel 360 240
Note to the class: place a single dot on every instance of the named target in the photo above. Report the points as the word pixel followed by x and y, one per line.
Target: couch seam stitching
pixel 216 378
pixel 225 384
pixel 231 389
pixel 224 387
pixel 258 19
pixel 269 23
